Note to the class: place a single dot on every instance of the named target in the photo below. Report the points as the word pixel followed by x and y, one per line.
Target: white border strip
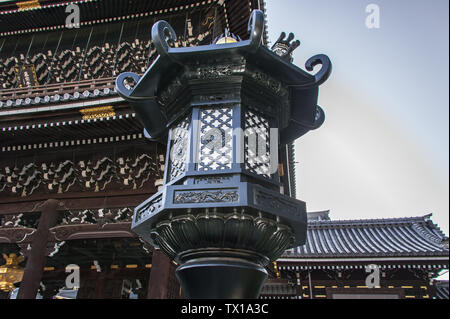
pixel 69 143
pixel 399 259
pixel 76 105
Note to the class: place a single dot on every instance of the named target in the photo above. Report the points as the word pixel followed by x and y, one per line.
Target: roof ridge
pixel 395 220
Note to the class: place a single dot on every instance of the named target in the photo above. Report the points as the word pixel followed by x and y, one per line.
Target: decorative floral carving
pixel 217 97
pixel 186 197
pixel 149 208
pixel 218 71
pixel 268 82
pixel 212 179
pixel 178 149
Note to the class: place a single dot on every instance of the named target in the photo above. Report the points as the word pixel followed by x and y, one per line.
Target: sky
pixel 383 150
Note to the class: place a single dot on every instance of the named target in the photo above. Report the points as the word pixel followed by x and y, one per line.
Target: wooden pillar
pixel 159 276
pixel 298 286
pixel 100 284
pixel 37 256
pixel 88 284
pixel 310 285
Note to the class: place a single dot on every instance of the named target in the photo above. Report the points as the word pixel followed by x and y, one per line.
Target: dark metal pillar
pixel 37 256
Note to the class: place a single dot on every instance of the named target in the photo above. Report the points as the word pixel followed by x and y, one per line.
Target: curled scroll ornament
pixel 324 73
pixel 162 34
pixel 256 28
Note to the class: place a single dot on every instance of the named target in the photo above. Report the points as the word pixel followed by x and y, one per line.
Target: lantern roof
pixel 303 87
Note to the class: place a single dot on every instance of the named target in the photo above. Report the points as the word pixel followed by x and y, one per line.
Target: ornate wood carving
pixel 69 232
pixel 94 175
pixel 100 216
pixel 16 235
pixel 63 66
pixel 17 228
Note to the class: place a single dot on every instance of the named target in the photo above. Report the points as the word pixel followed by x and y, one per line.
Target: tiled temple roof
pixel 441 289
pixel 280 288
pixel 395 237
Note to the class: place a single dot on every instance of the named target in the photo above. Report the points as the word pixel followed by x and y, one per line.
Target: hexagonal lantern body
pixel 226 109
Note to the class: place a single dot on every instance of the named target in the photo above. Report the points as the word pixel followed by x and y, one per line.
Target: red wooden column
pixel 100 284
pixel 37 256
pixel 159 276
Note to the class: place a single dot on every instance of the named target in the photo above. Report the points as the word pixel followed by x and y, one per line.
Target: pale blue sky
pixel 383 150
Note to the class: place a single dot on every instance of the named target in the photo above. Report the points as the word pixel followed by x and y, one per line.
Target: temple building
pixel 75 162
pixel 337 259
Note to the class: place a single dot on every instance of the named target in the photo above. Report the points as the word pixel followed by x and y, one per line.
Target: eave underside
pixel 233 14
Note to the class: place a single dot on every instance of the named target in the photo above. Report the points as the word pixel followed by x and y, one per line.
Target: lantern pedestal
pixel 221 278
